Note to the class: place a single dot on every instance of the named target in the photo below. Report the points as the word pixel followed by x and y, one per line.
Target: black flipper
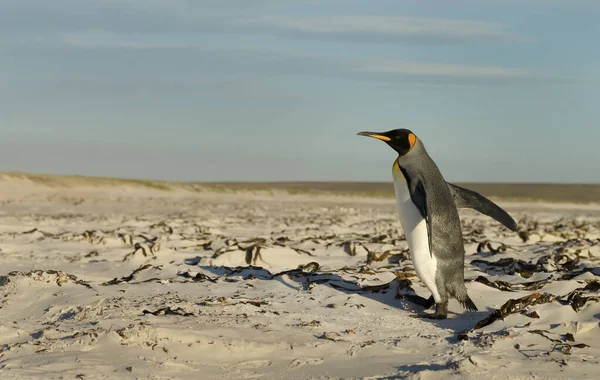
pixel 418 300
pixel 418 197
pixel 465 198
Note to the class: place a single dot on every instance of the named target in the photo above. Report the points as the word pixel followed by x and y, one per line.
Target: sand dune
pixel 130 281
pixel 537 192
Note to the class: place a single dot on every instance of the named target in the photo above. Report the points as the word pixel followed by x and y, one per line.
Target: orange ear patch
pixel 412 139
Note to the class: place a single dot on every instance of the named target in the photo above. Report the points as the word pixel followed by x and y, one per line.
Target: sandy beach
pixel 133 282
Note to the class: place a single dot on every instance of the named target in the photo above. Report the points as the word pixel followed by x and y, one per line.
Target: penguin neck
pixel 396 170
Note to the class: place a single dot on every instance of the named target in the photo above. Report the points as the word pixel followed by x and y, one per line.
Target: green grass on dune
pixel 572 193
pixel 58 181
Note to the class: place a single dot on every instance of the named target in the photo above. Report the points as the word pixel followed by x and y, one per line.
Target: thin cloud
pixel 103 40
pixel 155 17
pixel 421 68
pixel 378 28
pixel 270 62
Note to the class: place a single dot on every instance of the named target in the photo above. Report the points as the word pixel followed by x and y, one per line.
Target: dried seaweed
pixel 377 245
pixel 576 273
pixel 223 301
pixel 559 261
pixel 580 297
pixel 253 254
pixel 393 256
pixel 332 336
pixel 559 345
pixel 313 323
pixel 147 249
pixel 169 311
pixel 164 226
pixel 93 237
pixel 61 277
pixel 127 279
pixel 515 306
pixel 500 285
pixel 309 276
pixel 44 233
pixel 509 266
pixel 92 254
pixel 350 247
pixel 198 277
pixel 249 272
pixel 488 245
pixel 302 251
pixel 508 287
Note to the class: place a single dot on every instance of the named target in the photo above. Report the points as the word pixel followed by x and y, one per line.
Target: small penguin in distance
pixel 427 209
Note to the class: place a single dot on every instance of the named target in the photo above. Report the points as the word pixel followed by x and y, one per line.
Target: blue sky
pixel 244 90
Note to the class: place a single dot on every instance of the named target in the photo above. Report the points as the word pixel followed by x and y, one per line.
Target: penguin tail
pixel 469 304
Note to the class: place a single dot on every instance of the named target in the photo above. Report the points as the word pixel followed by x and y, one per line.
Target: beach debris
pixel 93 237
pixel 580 297
pixel 524 235
pixel 313 323
pixel 488 245
pixel 393 256
pixel 531 314
pixel 127 279
pixel 198 277
pixel 126 238
pixel 147 250
pixel 162 225
pixel 43 233
pixel 253 254
pixel 302 251
pixel 515 306
pixel 4 280
pixel 509 287
pixel 500 285
pixel 59 277
pixel 507 265
pixel 352 248
pixel 92 254
pixel 560 345
pixel 169 311
pixel 241 288
pixel 230 301
pixel 332 336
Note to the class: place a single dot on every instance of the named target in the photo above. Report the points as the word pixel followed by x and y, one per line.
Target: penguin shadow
pixel 458 321
pixel 307 282
pixel 397 294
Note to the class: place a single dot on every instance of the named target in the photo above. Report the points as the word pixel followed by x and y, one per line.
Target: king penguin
pixel 427 208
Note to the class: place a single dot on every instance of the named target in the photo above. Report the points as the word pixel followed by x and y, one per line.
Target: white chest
pixel 415 230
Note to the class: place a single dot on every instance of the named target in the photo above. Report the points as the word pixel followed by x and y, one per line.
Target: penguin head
pixel 401 140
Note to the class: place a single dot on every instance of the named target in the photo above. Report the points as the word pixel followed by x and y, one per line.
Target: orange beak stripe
pixel 380 137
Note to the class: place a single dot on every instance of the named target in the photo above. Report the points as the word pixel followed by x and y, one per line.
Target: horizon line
pixel 286 181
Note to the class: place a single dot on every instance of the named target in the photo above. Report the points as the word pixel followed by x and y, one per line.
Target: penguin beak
pixel 374 135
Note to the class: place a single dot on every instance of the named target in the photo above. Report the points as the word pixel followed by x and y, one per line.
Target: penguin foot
pixel 437 316
pixel 441 311
pixel 418 300
pixel 429 316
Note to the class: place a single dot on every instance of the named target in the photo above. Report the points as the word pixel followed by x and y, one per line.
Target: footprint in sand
pixel 301 362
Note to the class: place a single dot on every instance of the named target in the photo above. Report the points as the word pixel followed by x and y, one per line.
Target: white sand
pixel 60 319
